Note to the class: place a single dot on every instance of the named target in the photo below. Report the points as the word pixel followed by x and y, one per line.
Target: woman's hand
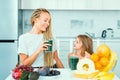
pixel 43 47
pixel 29 60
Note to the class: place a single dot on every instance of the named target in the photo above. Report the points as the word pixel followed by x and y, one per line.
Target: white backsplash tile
pixel 74 22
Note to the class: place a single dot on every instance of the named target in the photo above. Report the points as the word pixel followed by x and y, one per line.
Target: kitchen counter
pixel 66 74
pixel 106 39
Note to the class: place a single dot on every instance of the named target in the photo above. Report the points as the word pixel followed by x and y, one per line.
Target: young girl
pixel 83 47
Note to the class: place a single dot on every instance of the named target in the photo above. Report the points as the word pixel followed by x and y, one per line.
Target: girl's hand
pixel 87 55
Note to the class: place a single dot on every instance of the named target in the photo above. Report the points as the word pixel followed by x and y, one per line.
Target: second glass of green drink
pixel 73 62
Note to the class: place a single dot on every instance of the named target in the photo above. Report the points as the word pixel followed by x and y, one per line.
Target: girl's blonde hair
pixel 48 57
pixel 87 44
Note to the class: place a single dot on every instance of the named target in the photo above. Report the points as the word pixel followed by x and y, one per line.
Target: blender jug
pixel 110 33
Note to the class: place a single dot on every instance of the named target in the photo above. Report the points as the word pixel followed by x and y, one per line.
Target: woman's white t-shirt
pixel 29 43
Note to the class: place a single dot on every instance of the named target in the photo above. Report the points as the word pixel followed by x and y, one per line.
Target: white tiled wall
pixel 74 22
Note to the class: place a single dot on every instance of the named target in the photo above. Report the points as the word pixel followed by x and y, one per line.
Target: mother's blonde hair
pixel 48 57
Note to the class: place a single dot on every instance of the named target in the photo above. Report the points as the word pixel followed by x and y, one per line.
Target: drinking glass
pixel 49 49
pixel 73 62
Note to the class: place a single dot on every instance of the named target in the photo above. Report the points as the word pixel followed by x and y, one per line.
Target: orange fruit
pixel 94 57
pixel 104 61
pixel 98 66
pixel 103 50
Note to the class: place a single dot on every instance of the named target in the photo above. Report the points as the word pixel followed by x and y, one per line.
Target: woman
pixel 83 47
pixel 31 45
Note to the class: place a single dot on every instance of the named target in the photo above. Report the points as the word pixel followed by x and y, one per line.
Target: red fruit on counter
pixel 16 74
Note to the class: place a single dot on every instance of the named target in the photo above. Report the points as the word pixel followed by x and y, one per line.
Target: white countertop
pixel 66 74
pixel 106 39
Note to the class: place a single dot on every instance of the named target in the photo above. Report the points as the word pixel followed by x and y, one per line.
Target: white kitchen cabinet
pixel 61 4
pixel 48 4
pixel 71 4
pixel 94 4
pixel 98 4
pixel 88 4
pixel 65 4
pixel 79 4
pixel 30 4
pixel 33 4
pixel 111 4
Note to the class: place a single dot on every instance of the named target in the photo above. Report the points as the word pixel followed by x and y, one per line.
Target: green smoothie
pixel 49 49
pixel 73 62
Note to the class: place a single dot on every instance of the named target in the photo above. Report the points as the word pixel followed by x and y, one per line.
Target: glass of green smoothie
pixel 73 62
